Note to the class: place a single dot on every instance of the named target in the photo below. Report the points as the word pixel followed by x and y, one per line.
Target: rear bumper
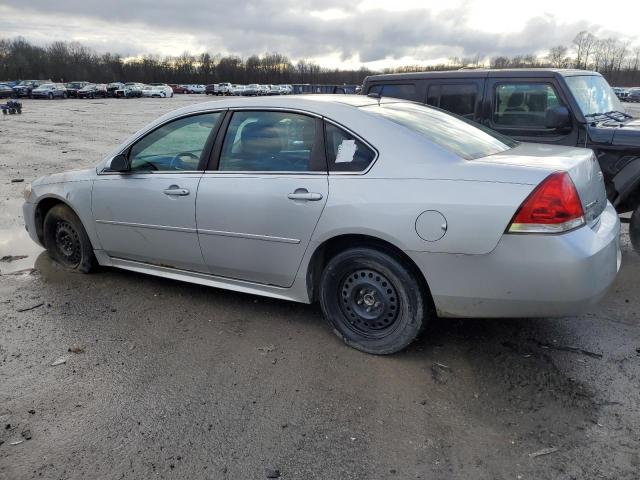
pixel 527 275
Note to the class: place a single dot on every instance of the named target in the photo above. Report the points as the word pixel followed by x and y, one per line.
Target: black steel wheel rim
pixel 68 243
pixel 369 303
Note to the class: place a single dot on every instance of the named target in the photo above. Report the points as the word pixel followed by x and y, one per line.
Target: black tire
pixel 634 230
pixel 67 241
pixel 373 301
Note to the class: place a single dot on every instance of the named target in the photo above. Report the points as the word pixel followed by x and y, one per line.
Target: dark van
pixel 562 107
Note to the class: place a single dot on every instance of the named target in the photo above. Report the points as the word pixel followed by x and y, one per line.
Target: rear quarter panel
pixel 477 212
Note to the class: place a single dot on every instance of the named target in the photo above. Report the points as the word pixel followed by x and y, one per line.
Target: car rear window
pixel 451 132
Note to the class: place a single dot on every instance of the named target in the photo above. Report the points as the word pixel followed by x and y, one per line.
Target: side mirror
pixel 557 117
pixel 119 163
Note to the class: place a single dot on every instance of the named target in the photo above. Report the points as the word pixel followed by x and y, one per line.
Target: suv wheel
pixel 67 241
pixel 372 300
pixel 634 230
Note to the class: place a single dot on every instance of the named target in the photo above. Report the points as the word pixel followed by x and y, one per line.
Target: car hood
pixel 628 134
pixel 611 132
pixel 68 176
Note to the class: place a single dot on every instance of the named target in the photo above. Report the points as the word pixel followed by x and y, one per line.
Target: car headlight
pixel 27 191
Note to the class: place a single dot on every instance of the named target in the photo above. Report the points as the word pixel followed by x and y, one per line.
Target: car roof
pixel 325 105
pixel 484 73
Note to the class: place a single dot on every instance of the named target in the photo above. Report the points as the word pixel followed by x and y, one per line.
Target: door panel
pixel 250 228
pixel 149 217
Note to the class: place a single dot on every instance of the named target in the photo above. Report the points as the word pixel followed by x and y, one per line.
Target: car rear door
pixel 259 202
pixel 148 213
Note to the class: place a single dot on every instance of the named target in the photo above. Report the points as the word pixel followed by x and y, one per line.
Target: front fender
pixel 626 182
pixel 77 196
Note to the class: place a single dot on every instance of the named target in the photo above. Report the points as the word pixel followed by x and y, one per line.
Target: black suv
pixel 561 107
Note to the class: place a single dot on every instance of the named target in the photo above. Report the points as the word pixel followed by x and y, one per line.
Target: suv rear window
pixel 462 137
pixel 459 99
pixel 406 91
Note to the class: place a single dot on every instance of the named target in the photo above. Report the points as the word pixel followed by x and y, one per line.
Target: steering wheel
pixel 177 163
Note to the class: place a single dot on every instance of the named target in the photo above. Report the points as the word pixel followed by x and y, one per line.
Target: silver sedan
pixel 386 212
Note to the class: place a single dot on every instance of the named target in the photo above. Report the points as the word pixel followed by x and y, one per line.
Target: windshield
pixel 466 139
pixel 593 94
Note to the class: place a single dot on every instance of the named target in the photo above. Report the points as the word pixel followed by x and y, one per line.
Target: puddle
pixel 14 239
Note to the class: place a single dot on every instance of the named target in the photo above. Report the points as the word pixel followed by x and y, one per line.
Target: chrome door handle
pixel 175 190
pixel 309 196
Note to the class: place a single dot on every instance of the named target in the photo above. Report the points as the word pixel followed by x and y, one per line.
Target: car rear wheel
pixel 634 230
pixel 67 241
pixel 373 301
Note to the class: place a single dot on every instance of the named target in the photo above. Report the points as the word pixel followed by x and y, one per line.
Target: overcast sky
pixel 374 33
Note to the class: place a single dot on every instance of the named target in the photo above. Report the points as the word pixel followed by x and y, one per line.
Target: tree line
pixel 68 61
pixel 617 59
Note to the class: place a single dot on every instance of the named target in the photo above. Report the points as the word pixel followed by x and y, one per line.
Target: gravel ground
pixel 171 380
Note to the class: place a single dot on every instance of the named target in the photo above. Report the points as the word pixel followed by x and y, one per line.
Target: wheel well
pixel 330 248
pixel 42 209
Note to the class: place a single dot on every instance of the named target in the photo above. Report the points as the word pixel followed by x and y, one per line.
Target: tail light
pixel 553 207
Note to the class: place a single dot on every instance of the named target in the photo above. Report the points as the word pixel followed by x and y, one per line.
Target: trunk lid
pixel 580 163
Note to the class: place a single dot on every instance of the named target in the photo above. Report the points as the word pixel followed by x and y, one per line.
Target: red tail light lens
pixel 553 207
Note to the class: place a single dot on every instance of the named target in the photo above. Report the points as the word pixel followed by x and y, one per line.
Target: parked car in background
pixel 552 106
pixel 264 89
pixel 113 87
pixel 633 95
pixel 178 88
pixel 286 89
pixel 50 91
pixel 24 88
pixel 621 93
pixel 467 222
pixel 73 87
pixel 158 90
pixel 195 88
pixel 251 90
pixel 93 90
pixel 130 90
pixel 224 88
pixel 211 89
pixel 237 90
pixel 5 91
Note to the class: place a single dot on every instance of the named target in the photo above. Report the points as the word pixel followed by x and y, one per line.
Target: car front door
pixel 518 108
pixel 147 214
pixel 259 203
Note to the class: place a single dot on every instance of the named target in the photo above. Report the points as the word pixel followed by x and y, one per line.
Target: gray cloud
pixel 285 26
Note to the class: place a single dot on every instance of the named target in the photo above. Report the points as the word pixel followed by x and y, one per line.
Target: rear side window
pixel 406 91
pixel 523 104
pixel 271 142
pixel 461 137
pixel 459 99
pixel 345 153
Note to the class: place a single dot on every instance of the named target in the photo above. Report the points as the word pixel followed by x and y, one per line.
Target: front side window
pixel 345 153
pixel 405 91
pixel 461 137
pixel 523 104
pixel 271 142
pixel 459 99
pixel 175 146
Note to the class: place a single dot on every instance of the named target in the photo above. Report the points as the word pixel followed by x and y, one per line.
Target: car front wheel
pixel 67 241
pixel 373 300
pixel 634 230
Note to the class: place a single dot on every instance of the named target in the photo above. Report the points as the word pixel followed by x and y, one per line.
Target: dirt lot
pixel 179 381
